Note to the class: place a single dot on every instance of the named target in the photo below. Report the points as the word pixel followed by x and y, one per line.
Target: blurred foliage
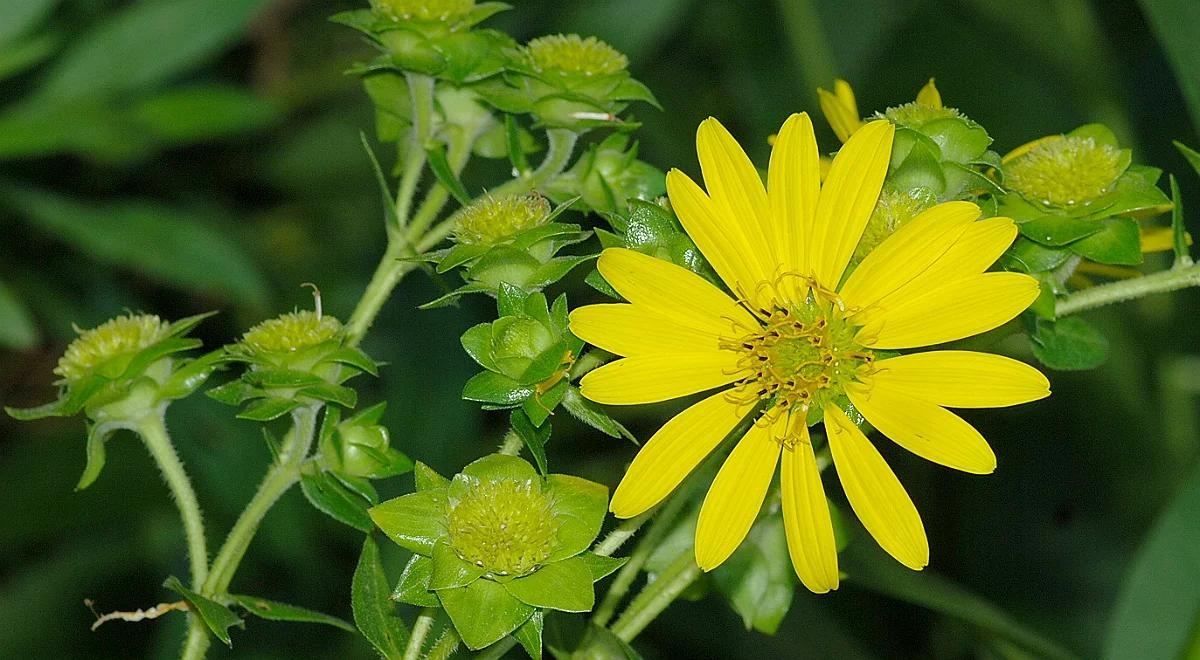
pixel 175 156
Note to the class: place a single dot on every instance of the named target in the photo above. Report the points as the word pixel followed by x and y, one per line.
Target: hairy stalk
pixel 657 596
pixel 666 515
pixel 622 533
pixel 560 145
pixel 512 444
pixel 497 650
pixel 420 90
pixel 588 361
pixel 445 646
pixel 195 645
pixel 1138 287
pixel 420 630
pixel 153 430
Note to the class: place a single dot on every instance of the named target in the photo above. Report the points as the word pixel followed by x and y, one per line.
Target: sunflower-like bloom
pixel 798 344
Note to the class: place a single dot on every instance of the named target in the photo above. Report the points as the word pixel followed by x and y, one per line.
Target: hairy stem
pixel 153 430
pixel 512 444
pixel 420 630
pixel 560 145
pixel 497 650
pixel 195 645
pixel 1139 287
pixel 420 90
pixel 657 596
pixel 666 515
pixel 621 533
pixel 445 646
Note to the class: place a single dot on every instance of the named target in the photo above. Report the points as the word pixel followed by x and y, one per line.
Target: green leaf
pixel 199 113
pixel 234 393
pixel 1119 242
pixel 586 412
pixel 535 438
pixel 491 387
pixel 538 407
pixel 497 466
pixel 17 330
pixel 450 571
pixel 330 497
pixel 1069 344
pixel 216 616
pixel 1176 23
pixel 563 585
pixel 341 395
pixel 477 342
pixel 268 409
pixel 1158 610
pixel 1058 230
pixel 413 587
pixel 1190 155
pixel 1032 257
pixel 426 478
pixel 182 248
pixel 872 570
pixel 514 144
pixel 414 521
pixel 579 508
pixel 445 175
pixel 483 613
pixel 375 613
pixel 529 634
pixel 758 579
pixel 276 611
pixel 601 567
pixel 97 435
pixel 144 44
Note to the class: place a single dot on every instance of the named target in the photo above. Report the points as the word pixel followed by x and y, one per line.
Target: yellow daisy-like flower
pixel 798 342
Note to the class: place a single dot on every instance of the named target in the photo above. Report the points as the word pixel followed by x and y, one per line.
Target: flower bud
pixel 1065 171
pixel 492 220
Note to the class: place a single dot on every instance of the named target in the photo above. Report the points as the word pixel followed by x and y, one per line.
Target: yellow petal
pixel 793 186
pixel 954 310
pixel 847 198
pixel 737 494
pixel 806 518
pixel 634 330
pixel 721 239
pixel 1159 239
pixel 654 378
pixel 907 253
pixel 672 291
pixel 929 95
pixel 875 494
pixel 840 109
pixel 672 453
pixel 926 429
pixel 736 190
pixel 962 379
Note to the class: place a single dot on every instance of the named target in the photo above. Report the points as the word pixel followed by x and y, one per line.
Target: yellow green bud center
pixel 505 526
pixel 917 114
pixel 572 54
pixel 801 358
pixel 490 220
pixel 447 11
pixel 893 210
pixel 292 332
pixel 1065 172
pixel 122 336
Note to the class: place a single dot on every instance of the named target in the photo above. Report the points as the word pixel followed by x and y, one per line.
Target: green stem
pixel 666 515
pixel 458 152
pixel 655 598
pixel 497 650
pixel 195 645
pixel 420 630
pixel 445 646
pixel 420 90
pixel 153 429
pixel 282 475
pixel 560 145
pixel 1138 287
pixel 588 361
pixel 621 533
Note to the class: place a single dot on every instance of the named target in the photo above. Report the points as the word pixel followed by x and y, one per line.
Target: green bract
pixel 939 150
pixel 121 371
pixel 608 176
pixel 497 543
pixel 294 359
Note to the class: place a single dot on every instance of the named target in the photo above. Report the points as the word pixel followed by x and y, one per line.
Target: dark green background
pixel 277 191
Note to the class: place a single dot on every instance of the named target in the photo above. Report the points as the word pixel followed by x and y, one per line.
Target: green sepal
pixel 330 497
pixel 491 387
pixel 555 269
pixel 189 376
pixel 354 357
pixel 1118 243
pixel 426 478
pixel 266 410
pixel 276 611
pixel 449 570
pixel 960 140
pixel 586 412
pixel 1058 230
pixel 452 297
pixel 495 467
pixel 601 567
pixel 445 174
pixel 1069 344
pixel 602 643
pixel 483 612
pixel 921 168
pixel 579 507
pixel 562 585
pixel 534 437
pixel 359 486
pixel 98 434
pixel 1032 257
pixel 529 634
pixel 339 394
pixel 280 378
pixel 415 521
pixel 234 393
pixel 216 616
pixel 515 145
pixel 539 407
pixel 758 579
pixel 1135 194
pixel 1045 305
pixel 374 612
pixel 413 587
pixel 458 255
pixel 477 342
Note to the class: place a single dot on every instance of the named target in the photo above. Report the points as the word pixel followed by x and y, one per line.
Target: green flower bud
pixel 445 11
pixel 491 220
pixel 109 347
pixel 290 333
pixel 1065 172
pixel 360 446
pixel 571 55
pixel 916 114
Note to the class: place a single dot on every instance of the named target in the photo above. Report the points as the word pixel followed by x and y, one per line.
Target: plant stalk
pixel 420 630
pixel 420 90
pixel 1138 287
pixel 657 596
pixel 153 430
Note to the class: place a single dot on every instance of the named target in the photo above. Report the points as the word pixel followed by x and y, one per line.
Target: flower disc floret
pixel 506 527
pixel 574 55
pixel 292 332
pixel 492 219
pixel 1065 172
pixel 918 114
pixel 448 11
pixel 119 337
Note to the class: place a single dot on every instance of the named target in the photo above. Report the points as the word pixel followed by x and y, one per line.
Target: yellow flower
pixel 797 343
pixel 841 110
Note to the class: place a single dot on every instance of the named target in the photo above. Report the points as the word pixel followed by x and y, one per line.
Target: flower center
pixel 490 220
pixel 572 54
pixel 1065 172
pixel 124 335
pixel 505 526
pixel 800 358
pixel 424 10
pixel 918 114
pixel 292 332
